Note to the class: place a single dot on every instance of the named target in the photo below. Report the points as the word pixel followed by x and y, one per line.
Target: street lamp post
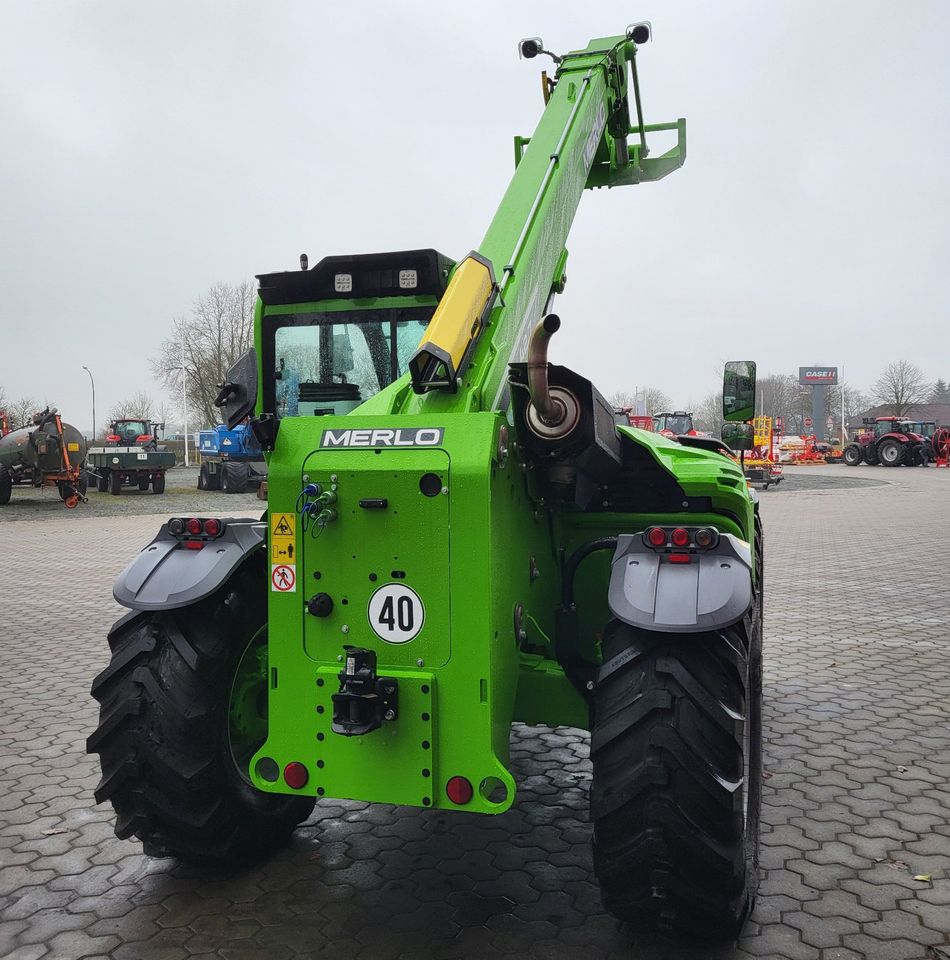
pixel 93 382
pixel 184 400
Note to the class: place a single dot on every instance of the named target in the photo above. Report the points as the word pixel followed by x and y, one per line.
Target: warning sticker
pixel 283 525
pixel 283 577
pixel 282 551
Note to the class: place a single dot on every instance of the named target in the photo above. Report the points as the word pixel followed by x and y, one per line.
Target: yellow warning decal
pixel 282 551
pixel 72 447
pixel 283 526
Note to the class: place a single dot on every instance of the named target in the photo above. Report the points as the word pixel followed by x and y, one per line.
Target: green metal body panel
pixel 484 554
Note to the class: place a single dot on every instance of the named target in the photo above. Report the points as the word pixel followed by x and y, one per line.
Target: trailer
pixel 130 456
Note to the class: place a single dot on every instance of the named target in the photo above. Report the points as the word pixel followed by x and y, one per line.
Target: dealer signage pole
pixel 819 378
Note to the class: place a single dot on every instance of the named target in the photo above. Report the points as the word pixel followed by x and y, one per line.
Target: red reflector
pixel 656 536
pixel 193 526
pixel 295 775
pixel 193 544
pixel 679 558
pixel 680 537
pixel 212 527
pixel 459 790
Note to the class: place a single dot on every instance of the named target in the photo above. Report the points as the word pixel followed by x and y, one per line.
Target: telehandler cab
pixel 459 536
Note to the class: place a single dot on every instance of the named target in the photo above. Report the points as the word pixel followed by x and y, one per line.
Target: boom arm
pixel 498 294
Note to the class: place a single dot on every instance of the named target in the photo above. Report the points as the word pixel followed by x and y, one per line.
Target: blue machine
pixel 231 460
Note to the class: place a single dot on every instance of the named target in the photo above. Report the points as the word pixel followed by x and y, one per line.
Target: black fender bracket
pixel 167 574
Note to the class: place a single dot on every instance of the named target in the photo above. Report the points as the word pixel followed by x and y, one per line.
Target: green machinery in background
pixel 459 536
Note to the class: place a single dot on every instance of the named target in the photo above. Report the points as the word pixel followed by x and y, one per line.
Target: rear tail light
pixel 459 790
pixel 295 775
pixel 705 537
pixel 664 539
pixel 656 537
pixel 195 529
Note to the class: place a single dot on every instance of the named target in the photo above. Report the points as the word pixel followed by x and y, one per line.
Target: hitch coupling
pixel 364 700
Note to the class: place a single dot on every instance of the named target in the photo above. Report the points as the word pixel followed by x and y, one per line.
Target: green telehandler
pixel 459 536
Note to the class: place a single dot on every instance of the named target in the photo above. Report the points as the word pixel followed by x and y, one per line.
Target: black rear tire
pixel 102 481
pixel 891 452
pixel 158 483
pixel 870 455
pixel 164 737
pixel 143 483
pixel 676 747
pixel 852 455
pixel 234 477
pixel 6 487
pixel 115 483
pixel 203 481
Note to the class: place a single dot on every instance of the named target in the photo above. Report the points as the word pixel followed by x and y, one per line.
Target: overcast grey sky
pixel 150 150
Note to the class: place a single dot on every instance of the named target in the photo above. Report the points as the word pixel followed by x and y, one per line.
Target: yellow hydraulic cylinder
pixel 454 328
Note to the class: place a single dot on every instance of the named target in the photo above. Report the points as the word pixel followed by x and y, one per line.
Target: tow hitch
pixel 365 700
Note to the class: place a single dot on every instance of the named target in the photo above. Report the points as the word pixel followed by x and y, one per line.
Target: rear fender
pixel 714 590
pixel 166 575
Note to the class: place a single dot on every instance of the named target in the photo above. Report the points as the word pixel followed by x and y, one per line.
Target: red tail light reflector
pixel 656 536
pixel 193 526
pixel 295 775
pixel 459 790
pixel 193 544
pixel 680 537
pixel 212 527
pixel 679 558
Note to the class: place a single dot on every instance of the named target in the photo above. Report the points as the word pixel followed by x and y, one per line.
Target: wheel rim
pixel 247 707
pixel 889 453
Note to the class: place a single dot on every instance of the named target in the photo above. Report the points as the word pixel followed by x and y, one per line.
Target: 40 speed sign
pixel 396 613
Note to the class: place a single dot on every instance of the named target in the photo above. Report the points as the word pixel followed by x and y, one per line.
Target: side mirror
pixel 237 396
pixel 738 436
pixel 738 391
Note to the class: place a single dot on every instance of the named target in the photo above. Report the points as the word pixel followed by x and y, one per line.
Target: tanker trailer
pixel 50 453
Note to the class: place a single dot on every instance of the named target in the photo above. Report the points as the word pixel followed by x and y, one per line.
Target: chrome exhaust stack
pixel 554 411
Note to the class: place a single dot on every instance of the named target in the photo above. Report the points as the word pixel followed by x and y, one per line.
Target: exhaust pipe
pixel 551 412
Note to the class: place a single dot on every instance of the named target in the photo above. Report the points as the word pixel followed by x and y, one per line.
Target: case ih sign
pixel 817 375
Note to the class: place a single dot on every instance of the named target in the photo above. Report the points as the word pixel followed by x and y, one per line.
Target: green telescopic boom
pixel 497 295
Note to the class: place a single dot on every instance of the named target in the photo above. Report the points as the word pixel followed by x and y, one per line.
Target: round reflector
pixel 295 775
pixel 656 536
pixel 705 537
pixel 212 527
pixel 193 526
pixel 459 790
pixel 176 526
pixel 679 537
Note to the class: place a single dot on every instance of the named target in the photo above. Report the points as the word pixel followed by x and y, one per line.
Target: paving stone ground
pixel 857 788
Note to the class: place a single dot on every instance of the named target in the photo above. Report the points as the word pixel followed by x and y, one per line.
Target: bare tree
pixel 21 412
pixel 707 414
pixel 137 407
pixel 219 329
pixel 648 399
pixel 900 387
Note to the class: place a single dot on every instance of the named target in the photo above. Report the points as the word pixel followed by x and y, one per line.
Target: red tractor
pixel 892 441
pixel 678 424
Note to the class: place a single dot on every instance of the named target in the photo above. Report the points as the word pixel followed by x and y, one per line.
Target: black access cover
pixel 406 273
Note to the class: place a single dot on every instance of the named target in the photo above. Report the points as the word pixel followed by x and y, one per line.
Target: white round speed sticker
pixel 396 613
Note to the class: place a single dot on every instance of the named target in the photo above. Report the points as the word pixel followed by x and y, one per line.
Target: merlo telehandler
pixel 459 536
